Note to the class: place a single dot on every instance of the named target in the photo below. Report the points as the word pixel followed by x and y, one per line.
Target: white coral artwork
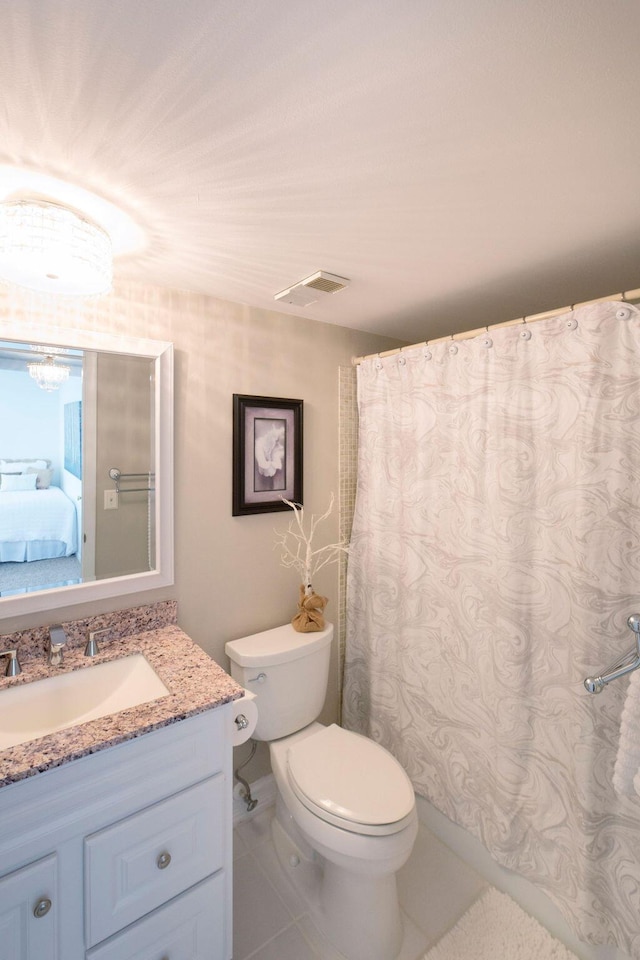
pixel 296 544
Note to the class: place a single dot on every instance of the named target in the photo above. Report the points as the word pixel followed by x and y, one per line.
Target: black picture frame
pixel 267 453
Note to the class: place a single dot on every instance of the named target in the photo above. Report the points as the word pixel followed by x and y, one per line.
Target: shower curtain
pixel 495 558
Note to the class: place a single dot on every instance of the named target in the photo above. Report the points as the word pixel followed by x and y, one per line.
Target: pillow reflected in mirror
pixel 43 478
pixel 17 482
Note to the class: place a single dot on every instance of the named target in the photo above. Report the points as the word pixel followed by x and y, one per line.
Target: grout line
pixel 270 940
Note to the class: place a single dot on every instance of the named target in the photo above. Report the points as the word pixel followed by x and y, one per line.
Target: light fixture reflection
pixel 50 248
pixel 48 374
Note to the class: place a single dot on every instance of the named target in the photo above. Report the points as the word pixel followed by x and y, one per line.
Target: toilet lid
pixel 352 781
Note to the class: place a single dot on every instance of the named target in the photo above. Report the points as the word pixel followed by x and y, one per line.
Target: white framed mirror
pixel 98 449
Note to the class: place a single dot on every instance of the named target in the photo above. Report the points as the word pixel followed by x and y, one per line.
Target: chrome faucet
pixel 57 640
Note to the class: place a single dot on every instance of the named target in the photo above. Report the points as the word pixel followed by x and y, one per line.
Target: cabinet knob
pixel 42 908
pixel 241 722
pixel 163 860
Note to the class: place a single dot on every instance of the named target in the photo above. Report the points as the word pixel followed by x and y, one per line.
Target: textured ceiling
pixel 462 162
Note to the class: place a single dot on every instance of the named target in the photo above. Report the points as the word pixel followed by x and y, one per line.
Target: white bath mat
pixel 496 928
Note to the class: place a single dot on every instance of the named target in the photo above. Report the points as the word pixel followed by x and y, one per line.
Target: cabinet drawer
pixel 25 935
pixel 191 927
pixel 139 863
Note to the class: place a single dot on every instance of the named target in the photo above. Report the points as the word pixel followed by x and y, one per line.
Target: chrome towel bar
pixel 118 476
pixel 626 664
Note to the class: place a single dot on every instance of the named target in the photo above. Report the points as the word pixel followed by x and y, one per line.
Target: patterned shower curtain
pixel 495 558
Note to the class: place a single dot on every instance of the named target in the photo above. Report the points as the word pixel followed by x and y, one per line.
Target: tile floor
pixel 271 921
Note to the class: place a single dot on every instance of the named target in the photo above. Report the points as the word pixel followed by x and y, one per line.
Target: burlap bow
pixel 309 618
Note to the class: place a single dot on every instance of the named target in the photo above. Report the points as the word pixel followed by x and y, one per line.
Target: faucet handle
pixel 13 664
pixel 92 647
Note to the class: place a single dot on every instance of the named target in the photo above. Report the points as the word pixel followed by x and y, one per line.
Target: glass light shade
pixel 48 374
pixel 52 249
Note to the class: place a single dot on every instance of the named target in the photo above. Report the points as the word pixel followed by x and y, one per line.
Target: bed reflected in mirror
pixel 40 498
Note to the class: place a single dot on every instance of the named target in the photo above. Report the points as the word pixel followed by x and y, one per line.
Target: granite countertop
pixel 196 683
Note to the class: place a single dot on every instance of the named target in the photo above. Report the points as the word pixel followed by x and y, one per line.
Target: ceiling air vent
pixel 311 289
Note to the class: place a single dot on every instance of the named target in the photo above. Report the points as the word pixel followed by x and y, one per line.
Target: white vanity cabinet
pixel 29 912
pixel 125 853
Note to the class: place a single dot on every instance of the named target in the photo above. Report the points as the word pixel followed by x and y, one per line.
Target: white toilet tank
pixel 288 672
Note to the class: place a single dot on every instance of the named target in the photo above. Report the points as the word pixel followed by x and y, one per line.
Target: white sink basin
pixel 32 710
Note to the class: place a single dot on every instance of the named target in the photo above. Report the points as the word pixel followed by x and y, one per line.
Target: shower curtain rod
pixel 628 297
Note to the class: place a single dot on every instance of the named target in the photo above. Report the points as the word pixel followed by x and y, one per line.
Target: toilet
pixel 345 808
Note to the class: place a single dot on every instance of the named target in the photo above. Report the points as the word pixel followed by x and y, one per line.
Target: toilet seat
pixel 350 781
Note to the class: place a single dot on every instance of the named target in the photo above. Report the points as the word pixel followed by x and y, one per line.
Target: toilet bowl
pixel 357 906
pixel 345 809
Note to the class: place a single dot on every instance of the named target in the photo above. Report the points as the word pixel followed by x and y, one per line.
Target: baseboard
pixel 262 790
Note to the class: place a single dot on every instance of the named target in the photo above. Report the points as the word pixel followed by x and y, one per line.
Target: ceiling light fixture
pixel 48 374
pixel 50 248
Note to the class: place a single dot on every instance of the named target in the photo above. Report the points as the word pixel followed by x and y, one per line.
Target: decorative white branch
pixel 296 545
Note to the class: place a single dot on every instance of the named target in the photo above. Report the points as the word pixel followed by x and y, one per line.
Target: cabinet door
pixel 28 912
pixel 134 866
pixel 191 927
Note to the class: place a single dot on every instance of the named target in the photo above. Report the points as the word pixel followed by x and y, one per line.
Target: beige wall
pixel 229 581
pixel 123 440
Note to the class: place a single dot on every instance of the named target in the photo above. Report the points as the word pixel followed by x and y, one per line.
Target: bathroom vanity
pixel 116 834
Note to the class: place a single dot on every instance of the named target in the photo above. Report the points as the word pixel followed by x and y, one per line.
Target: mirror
pixel 86 470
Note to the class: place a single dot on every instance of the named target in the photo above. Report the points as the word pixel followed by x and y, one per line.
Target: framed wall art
pixel 267 453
